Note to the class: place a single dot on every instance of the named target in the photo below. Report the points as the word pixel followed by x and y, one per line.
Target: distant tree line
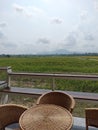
pixel 30 55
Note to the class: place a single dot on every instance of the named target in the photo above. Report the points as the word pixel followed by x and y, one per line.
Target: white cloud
pixel 2 35
pixel 92 48
pixel 43 41
pixel 53 25
pixel 7 47
pixel 7 44
pixel 46 1
pixel 56 20
pixel 84 14
pixel 37 10
pixel 89 37
pixel 71 40
pixel 18 8
pixel 3 24
pixel 28 10
pixel 96 4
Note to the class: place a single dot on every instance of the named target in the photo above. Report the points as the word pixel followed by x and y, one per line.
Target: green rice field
pixel 53 64
pixel 57 64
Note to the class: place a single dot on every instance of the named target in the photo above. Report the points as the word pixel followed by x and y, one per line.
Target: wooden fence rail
pixel 52 76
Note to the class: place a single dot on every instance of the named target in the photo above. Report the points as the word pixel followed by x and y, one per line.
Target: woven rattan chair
pixel 58 98
pixel 9 114
pixel 91 116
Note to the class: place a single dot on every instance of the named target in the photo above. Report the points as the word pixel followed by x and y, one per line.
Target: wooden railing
pixel 52 76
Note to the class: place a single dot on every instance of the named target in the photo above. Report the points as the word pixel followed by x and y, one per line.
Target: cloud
pixel 56 20
pixel 92 48
pixel 28 10
pixel 18 8
pixel 71 39
pixel 89 37
pixel 96 4
pixel 3 24
pixel 37 10
pixel 22 9
pixel 1 35
pixel 84 14
pixel 4 43
pixel 46 1
pixel 7 44
pixel 43 41
pixel 8 47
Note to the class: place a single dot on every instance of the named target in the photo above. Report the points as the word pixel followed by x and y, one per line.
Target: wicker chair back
pixel 9 114
pixel 58 98
pixel 91 116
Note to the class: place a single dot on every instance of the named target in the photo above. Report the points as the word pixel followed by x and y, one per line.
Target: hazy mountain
pixel 59 51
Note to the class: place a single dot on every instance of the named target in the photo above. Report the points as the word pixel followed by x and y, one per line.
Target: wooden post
pixel 53 84
pixel 8 77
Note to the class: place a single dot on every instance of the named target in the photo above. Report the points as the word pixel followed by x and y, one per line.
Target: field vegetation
pixel 53 64
pixel 57 64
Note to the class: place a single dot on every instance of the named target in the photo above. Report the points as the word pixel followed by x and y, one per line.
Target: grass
pixel 79 110
pixel 53 64
pixel 56 64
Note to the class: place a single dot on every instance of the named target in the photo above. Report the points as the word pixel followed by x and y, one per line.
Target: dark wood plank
pixel 84 95
pixel 28 91
pixel 34 91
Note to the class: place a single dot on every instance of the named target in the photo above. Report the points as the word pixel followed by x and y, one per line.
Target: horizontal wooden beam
pixel 51 75
pixel 38 92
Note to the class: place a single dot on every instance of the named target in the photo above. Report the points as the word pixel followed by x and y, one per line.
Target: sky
pixel 48 26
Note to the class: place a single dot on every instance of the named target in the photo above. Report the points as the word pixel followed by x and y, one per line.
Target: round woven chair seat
pixel 46 117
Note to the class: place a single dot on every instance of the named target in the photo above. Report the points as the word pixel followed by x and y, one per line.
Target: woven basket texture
pixel 58 98
pixel 46 117
pixel 91 115
pixel 10 113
